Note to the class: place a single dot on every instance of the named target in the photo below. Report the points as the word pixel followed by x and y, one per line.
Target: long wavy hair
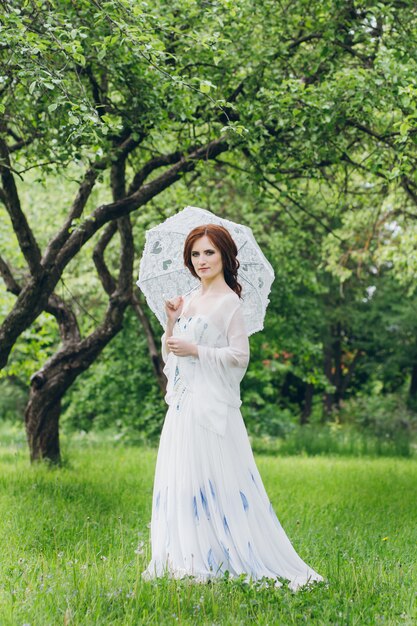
pixel 222 239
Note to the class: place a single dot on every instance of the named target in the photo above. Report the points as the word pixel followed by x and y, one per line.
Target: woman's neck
pixel 216 286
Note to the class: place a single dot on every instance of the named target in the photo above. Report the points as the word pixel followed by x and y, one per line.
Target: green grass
pixel 71 551
pixel 336 439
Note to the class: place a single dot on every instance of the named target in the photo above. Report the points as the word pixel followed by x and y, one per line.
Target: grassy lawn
pixel 72 551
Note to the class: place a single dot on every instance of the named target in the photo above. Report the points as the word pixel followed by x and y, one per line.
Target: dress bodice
pixel 199 329
pixel 196 329
pixel 213 377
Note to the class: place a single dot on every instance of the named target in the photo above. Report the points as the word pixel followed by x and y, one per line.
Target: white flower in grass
pixel 115 593
pixel 141 548
pixel 103 558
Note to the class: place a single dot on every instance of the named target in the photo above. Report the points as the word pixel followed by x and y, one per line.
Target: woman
pixel 211 513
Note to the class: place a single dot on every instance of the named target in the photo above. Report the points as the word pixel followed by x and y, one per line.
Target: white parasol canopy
pixel 162 273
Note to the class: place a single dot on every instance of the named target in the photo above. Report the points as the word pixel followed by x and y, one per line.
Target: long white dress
pixel 210 510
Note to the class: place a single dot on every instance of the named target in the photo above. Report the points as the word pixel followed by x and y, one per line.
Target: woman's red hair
pixel 223 240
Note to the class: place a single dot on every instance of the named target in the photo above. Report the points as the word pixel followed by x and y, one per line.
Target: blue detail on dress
pixel 200 337
pixel 210 560
pixel 244 501
pixel 195 508
pixel 204 503
pixel 226 552
pixel 274 515
pixel 255 565
pixel 226 525
pixel 212 490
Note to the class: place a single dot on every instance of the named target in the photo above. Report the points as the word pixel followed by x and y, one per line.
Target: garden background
pixel 297 119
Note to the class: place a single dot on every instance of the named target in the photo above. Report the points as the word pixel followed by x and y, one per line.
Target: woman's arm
pixel 236 353
pixel 218 373
pixel 181 347
pixel 164 339
pixel 173 310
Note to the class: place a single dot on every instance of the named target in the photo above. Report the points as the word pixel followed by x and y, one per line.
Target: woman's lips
pixel 202 269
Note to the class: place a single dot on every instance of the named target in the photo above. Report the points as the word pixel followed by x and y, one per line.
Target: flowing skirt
pixel 210 510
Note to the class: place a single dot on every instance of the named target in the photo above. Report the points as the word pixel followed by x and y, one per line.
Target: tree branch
pixel 11 283
pixel 35 294
pixel 308 37
pixel 408 187
pixel 96 91
pixel 24 234
pixel 65 316
pixel 154 353
pixel 3 198
pixel 62 312
pixel 303 209
pixel 76 211
pixel 107 212
pixel 125 147
pixel 124 282
pixel 150 166
pixel 106 279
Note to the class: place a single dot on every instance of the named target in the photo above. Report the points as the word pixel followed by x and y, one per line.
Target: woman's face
pixel 206 258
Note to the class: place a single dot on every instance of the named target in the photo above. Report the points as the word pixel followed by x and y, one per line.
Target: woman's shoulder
pixel 229 303
pixel 230 294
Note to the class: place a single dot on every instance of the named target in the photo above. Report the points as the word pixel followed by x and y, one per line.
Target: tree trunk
pixel 42 427
pixel 337 356
pixel 43 409
pixel 328 396
pixel 50 383
pixel 412 392
pixel 308 404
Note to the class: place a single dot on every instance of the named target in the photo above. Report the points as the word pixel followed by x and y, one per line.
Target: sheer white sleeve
pixel 164 350
pixel 235 354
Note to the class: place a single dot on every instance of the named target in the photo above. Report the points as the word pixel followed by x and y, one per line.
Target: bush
pixel 385 417
pixel 270 420
pixel 373 425
pixel 13 398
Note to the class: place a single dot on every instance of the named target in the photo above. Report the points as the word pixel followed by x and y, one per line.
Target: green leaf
pixel 206 86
